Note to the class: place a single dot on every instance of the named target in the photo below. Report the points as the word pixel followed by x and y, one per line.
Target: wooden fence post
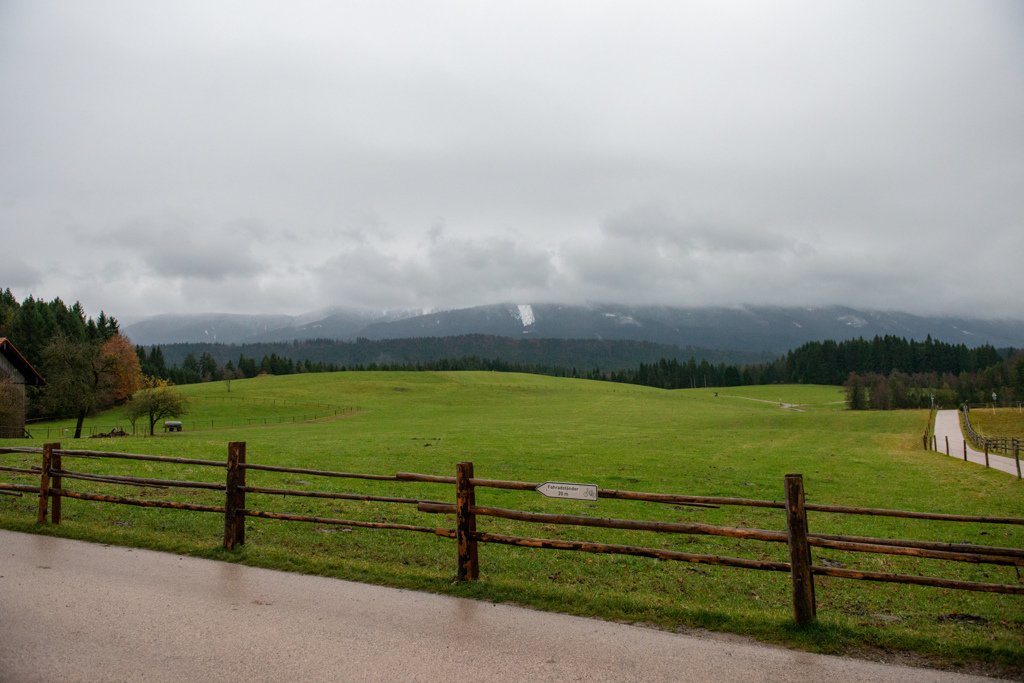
pixel 1016 455
pixel 55 463
pixel 947 445
pixel 44 484
pixel 986 452
pixel 924 441
pixel 965 450
pixel 804 609
pixel 234 500
pixel 465 523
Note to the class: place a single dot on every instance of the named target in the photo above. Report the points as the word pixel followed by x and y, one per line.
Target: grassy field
pixel 1007 422
pixel 534 428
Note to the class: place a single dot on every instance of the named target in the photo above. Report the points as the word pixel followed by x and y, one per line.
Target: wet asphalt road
pixel 76 611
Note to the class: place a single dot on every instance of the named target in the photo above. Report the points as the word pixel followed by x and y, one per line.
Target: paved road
pixel 947 426
pixel 75 611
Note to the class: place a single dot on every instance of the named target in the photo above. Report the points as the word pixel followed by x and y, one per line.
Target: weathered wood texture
pixel 19 449
pixel 34 470
pixel 961 552
pixel 918 580
pixel 466 511
pixel 586 547
pixel 926 545
pixel 171 505
pixel 804 608
pixel 19 487
pixel 976 558
pixel 136 456
pixel 44 484
pixel 468 568
pixel 447 533
pixel 693 501
pixel 137 481
pixel 234 500
pixel 339 496
pixel 911 515
pixel 55 482
pixel 319 473
pixel 611 523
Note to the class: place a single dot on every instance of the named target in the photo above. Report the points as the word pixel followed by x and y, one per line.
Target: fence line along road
pixel 51 493
pixel 948 438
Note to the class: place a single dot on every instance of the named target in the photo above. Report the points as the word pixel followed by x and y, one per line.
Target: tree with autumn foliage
pixel 88 376
pixel 118 357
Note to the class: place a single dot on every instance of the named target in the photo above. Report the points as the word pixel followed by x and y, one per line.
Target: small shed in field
pixel 15 374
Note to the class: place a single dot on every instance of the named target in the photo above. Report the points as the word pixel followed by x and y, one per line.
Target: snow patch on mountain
pixel 526 314
pixel 852 320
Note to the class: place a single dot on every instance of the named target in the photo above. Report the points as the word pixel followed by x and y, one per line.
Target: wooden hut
pixel 15 374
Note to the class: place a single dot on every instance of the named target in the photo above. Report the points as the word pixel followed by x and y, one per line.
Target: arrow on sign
pixel 561 489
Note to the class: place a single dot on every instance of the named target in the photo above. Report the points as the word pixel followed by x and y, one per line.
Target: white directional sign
pixel 560 489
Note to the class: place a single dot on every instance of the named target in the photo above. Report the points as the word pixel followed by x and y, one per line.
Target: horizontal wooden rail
pixel 329 494
pixel 706 529
pixel 19 449
pixel 317 473
pixel 698 501
pixel 172 505
pixel 137 481
pixel 465 510
pixel 927 545
pixel 135 456
pixel 447 533
pixel 912 515
pixel 975 558
pixel 583 546
pixel 610 523
pixel 19 487
pixel 22 470
pixel 428 478
pixel 917 580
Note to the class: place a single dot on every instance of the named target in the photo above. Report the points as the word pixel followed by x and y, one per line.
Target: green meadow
pixel 1008 422
pixel 534 428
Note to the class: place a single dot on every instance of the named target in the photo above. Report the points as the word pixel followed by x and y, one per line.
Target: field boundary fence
pixel 139 429
pixel 51 492
pixel 1009 445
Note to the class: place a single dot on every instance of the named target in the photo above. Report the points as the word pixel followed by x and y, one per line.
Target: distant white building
pixel 16 373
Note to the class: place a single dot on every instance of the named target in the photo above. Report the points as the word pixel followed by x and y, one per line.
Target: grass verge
pixel 533 428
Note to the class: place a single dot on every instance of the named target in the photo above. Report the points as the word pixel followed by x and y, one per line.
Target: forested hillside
pixel 87 364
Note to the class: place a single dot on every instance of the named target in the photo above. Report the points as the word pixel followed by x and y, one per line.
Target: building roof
pixel 15 358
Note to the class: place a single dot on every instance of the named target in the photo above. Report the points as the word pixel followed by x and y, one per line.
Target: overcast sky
pixel 257 157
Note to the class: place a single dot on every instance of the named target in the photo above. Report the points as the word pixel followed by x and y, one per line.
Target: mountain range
pixel 749 328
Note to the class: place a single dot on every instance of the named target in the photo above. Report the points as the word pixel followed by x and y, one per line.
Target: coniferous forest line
pixel 881 373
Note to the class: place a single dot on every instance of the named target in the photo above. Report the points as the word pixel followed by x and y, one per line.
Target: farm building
pixel 15 374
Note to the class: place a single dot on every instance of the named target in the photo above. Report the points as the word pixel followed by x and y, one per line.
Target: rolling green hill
pixel 536 428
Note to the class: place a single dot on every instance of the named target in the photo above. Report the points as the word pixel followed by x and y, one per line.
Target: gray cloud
pixel 18 274
pixel 279 158
pixel 462 272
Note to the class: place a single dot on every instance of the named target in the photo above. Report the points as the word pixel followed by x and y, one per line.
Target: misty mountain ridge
pixel 755 329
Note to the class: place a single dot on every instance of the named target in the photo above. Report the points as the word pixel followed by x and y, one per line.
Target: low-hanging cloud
pixel 281 159
pixel 456 271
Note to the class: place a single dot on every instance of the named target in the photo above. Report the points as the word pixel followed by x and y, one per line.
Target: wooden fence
pixel 45 431
pixel 1008 445
pixel 51 492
